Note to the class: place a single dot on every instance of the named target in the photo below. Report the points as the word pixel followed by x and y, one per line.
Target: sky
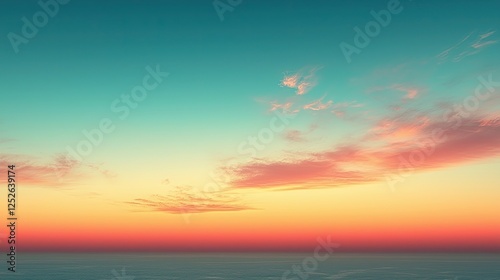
pixel 251 125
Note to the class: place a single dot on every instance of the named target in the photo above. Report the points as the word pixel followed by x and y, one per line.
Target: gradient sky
pixel 395 147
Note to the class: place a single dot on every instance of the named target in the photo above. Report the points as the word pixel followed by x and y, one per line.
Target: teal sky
pixel 224 74
pixel 91 52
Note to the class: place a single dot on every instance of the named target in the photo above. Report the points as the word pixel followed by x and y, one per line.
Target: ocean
pixel 249 266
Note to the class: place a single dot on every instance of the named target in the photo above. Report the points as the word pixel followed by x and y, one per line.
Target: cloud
pixel 340 109
pixel 318 105
pixel 490 120
pixel 316 170
pixel 186 200
pixel 99 169
pixel 469 141
pixel 402 127
pixel 290 81
pixel 304 87
pixel 165 181
pixel 294 136
pixel 6 140
pixel 411 92
pixel 471 44
pixel 427 142
pixel 285 107
pixel 28 172
pixel 62 171
pixel 303 81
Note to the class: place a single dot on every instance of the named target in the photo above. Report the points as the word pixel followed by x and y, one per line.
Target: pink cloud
pixel 490 120
pixel 398 129
pixel 30 173
pixel 338 113
pixel 411 91
pixel 315 171
pixel 62 171
pixel 468 142
pixel 426 144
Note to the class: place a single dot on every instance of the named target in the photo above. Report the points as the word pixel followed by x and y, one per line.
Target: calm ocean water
pixel 155 266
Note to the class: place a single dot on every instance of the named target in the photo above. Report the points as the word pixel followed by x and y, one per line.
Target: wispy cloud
pixel 402 127
pixel 340 109
pixel 491 120
pixel 290 81
pixel 29 172
pixel 6 140
pixel 294 136
pixel 303 81
pixel 285 107
pixel 186 200
pixel 411 92
pixel 61 171
pixel 471 44
pixel 318 105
